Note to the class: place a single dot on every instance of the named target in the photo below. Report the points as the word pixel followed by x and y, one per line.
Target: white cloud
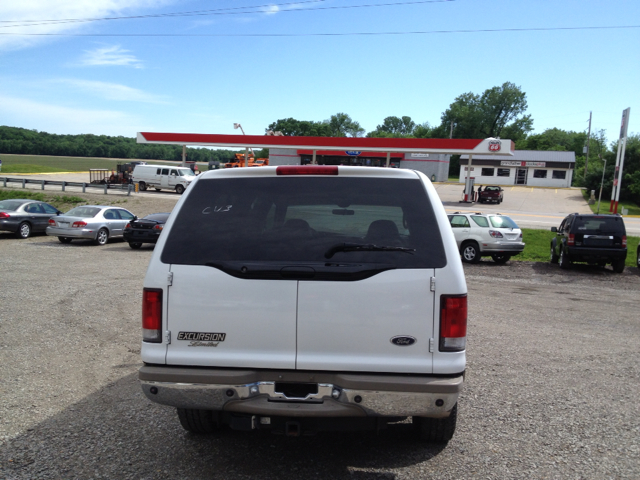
pixel 272 10
pixel 113 91
pixel 28 16
pixel 111 55
pixel 66 120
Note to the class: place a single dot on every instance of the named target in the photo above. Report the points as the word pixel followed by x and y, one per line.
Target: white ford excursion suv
pixel 307 298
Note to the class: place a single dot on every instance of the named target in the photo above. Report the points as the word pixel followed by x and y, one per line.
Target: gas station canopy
pixel 488 146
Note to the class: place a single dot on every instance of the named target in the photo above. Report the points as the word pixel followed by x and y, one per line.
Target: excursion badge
pixel 202 336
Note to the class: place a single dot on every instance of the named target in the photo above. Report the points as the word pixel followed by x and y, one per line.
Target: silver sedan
pixel 93 222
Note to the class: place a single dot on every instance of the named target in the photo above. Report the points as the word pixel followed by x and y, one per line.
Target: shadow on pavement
pixel 117 433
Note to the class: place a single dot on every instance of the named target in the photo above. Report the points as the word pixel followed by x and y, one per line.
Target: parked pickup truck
pixel 490 194
pixel 305 298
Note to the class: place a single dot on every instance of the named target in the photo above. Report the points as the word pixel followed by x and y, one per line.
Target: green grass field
pixel 47 164
pixel 606 202
pixel 539 241
pixel 61 202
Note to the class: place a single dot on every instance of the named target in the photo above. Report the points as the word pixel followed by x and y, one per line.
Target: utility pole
pixel 451 131
pixel 586 159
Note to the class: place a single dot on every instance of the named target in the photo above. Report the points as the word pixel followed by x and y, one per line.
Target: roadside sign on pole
pixel 622 144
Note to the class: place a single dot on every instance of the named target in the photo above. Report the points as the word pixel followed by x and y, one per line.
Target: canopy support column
pixel 388 159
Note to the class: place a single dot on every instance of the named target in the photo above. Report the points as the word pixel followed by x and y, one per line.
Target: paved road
pixel 529 207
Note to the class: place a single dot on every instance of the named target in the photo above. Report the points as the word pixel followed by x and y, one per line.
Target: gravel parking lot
pixel 552 383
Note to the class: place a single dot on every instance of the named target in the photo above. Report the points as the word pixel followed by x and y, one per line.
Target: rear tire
pixel 102 238
pixel 436 430
pixel 470 252
pixel 179 189
pixel 135 245
pixel 24 230
pixel 565 263
pixel 142 186
pixel 64 239
pixel 553 257
pixel 500 257
pixel 199 421
pixel 618 265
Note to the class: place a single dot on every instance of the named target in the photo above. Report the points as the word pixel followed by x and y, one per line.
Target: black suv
pixel 594 239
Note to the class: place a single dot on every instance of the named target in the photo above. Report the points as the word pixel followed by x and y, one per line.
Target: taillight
pixel 571 240
pixel 520 235
pixel 307 170
pixel 624 240
pixel 128 225
pixel 453 323
pixel 152 315
pixel 4 215
pixel 52 222
pixel 79 224
pixel 495 234
pixel 158 227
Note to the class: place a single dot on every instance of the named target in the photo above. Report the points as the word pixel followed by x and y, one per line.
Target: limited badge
pixel 495 145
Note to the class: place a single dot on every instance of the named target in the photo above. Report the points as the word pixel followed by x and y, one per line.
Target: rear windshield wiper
pixel 364 247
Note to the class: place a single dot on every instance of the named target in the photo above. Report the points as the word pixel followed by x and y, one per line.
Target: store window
pixel 487 172
pixel 539 174
pixel 504 172
pixel 559 174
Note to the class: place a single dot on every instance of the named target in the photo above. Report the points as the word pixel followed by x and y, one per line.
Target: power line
pixel 216 11
pixel 221 11
pixel 341 34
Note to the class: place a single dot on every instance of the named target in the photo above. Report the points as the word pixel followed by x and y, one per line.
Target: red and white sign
pixel 495 145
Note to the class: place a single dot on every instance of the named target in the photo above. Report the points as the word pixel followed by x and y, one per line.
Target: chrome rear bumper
pixel 356 396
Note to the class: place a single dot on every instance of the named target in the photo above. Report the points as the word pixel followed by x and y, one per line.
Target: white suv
pixel 306 298
pixel 482 235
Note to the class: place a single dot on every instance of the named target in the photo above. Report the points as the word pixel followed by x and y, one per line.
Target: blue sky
pixel 115 79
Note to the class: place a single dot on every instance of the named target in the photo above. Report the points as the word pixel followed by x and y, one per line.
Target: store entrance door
pixel 521 176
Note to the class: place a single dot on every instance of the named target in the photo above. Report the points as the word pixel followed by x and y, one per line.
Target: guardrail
pixel 103 186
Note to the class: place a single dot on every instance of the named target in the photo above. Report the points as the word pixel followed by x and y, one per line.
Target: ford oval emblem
pixel 403 340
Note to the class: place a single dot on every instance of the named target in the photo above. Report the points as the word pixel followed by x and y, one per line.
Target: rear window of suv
pixel 298 219
pixel 502 222
pixel 600 224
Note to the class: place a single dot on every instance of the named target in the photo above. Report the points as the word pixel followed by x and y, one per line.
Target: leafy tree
pixel 342 125
pixel 394 127
pixel 498 112
pixel 424 131
pixel 301 128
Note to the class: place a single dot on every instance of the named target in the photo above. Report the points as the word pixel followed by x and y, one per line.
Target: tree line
pixel 15 140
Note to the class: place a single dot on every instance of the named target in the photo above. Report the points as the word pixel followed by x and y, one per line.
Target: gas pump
pixel 467 197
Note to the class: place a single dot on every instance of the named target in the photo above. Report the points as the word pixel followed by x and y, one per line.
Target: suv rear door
pixel 256 320
pixel 350 325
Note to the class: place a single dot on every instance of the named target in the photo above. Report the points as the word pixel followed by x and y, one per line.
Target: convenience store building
pixel 527 167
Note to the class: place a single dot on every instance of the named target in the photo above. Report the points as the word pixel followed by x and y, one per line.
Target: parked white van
pixel 163 177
